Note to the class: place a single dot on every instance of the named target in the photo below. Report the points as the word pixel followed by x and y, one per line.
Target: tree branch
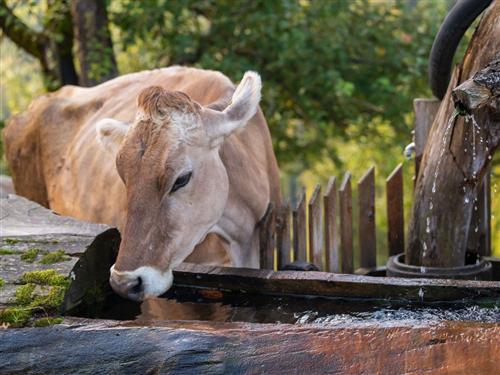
pixel 22 35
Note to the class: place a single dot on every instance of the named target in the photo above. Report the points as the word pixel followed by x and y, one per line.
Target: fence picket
pixel 267 231
pixel 367 235
pixel 345 198
pixel 299 229
pixel 315 228
pixel 283 235
pixel 395 212
pixel 331 240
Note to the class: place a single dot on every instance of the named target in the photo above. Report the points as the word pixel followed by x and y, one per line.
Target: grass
pixel 30 255
pixel 54 257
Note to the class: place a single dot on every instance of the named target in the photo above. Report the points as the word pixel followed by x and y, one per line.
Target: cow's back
pixel 56 160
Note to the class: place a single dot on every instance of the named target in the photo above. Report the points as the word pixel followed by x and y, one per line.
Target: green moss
pixel 45 277
pixel 54 257
pixel 51 302
pixel 24 294
pixel 2 282
pixel 8 252
pixel 48 321
pixel 15 316
pixel 11 241
pixel 30 255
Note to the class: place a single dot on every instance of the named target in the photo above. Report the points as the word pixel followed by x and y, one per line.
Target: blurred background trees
pixel 339 75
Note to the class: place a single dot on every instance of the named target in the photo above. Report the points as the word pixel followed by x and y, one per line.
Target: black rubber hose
pixel 450 33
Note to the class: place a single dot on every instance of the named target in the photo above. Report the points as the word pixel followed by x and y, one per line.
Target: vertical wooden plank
pixel 331 245
pixel 345 202
pixel 315 228
pixel 267 231
pixel 367 235
pixel 299 229
pixel 395 212
pixel 479 231
pixel 425 111
pixel 283 244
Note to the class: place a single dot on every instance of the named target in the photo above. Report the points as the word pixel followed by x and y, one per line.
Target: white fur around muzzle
pixel 154 282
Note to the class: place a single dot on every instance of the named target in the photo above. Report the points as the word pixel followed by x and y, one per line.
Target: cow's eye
pixel 181 181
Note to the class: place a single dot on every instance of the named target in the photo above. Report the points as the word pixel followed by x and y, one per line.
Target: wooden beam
pixel 345 198
pixel 331 235
pixel 367 233
pixel 395 211
pixel 316 228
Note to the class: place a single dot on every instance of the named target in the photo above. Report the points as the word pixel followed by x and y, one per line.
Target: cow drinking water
pixel 180 156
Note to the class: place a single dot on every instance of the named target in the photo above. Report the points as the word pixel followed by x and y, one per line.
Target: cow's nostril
pixel 137 288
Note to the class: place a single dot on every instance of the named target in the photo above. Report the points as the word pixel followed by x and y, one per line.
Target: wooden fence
pixel 324 223
pixel 320 230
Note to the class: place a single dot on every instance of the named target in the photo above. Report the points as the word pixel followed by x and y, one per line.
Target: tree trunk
pixel 95 48
pixel 52 47
pixel 455 160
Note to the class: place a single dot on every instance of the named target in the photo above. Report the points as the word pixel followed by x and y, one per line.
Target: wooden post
pixel 283 235
pixel 395 211
pixel 299 229
pixel 316 229
pixel 449 178
pixel 267 231
pixel 367 235
pixel 345 198
pixel 425 111
pixel 331 240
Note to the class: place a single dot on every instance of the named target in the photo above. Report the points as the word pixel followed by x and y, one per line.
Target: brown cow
pixel 179 156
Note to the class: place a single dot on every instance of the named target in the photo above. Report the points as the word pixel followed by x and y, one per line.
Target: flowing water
pixel 182 304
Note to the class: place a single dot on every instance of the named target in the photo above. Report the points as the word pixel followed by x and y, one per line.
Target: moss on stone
pixel 4 251
pixel 24 294
pixel 45 277
pixel 54 257
pixel 11 241
pixel 2 282
pixel 30 255
pixel 47 321
pixel 15 316
pixel 40 292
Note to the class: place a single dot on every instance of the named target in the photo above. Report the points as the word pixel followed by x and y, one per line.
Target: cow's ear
pixel 235 116
pixel 110 133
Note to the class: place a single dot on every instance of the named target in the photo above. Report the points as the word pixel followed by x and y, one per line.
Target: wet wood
pixel 457 174
pixel 345 200
pixel 316 228
pixel 331 234
pixel 82 346
pixel 367 234
pixel 332 285
pixel 267 239
pixel 299 229
pixel 395 211
pixel 283 240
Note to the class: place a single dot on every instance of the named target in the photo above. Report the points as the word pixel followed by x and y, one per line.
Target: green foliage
pixel 30 255
pixel 54 257
pixel 326 65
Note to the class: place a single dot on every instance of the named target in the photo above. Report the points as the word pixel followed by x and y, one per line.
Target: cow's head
pixel 176 183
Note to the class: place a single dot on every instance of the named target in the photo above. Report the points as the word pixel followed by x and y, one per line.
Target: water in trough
pixel 212 305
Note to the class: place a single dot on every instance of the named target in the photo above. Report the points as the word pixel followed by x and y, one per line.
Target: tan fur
pixel 56 160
